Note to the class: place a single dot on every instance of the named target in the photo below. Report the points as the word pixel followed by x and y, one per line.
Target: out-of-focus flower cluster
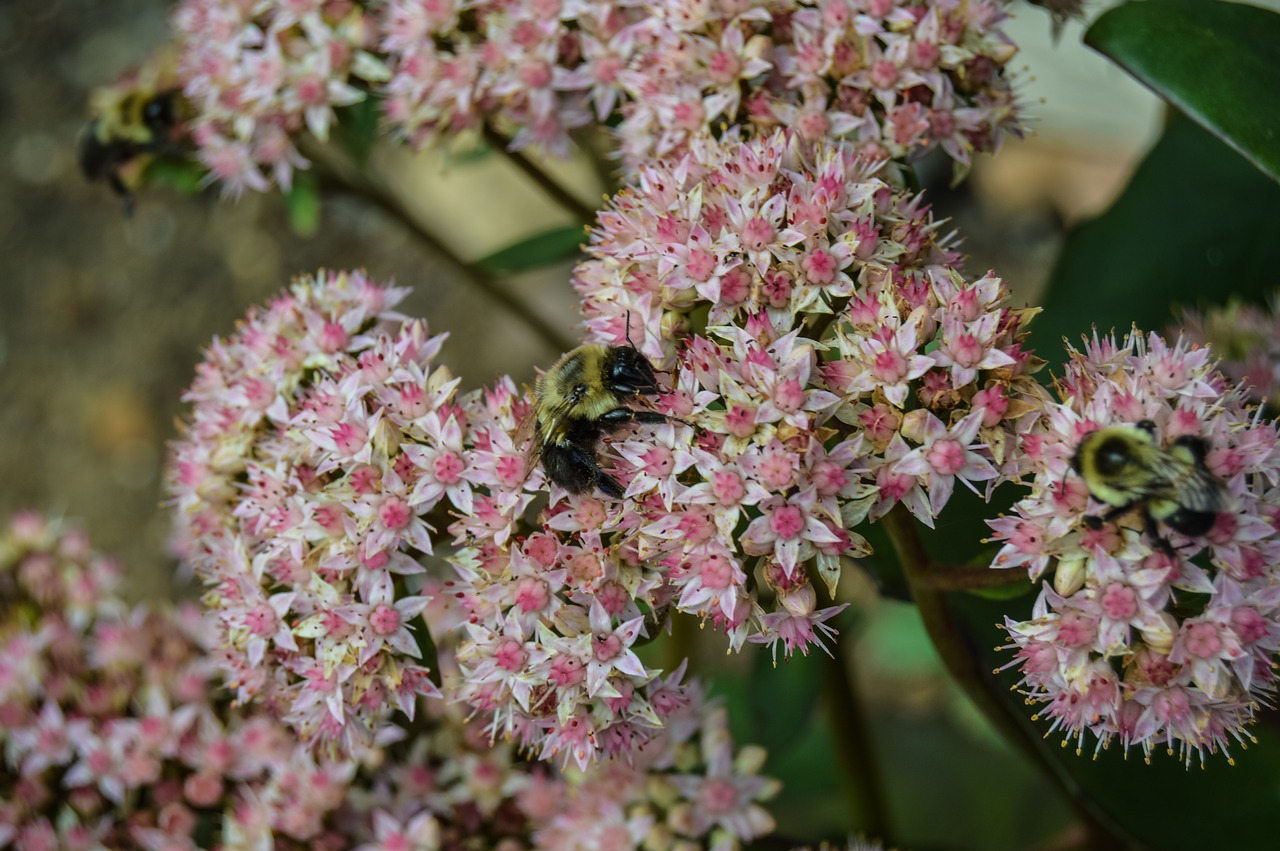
pixel 112 729
pixel 1134 641
pixel 1246 338
pixel 301 508
pixel 894 76
pixel 258 74
pixel 114 734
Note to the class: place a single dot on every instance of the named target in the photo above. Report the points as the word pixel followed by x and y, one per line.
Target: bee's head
pixel 630 373
pixel 158 113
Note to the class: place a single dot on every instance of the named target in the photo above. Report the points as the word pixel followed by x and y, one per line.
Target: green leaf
pixel 782 699
pixel 1195 226
pixel 356 128
pixel 427 647
pixel 1217 62
pixel 537 251
pixel 303 205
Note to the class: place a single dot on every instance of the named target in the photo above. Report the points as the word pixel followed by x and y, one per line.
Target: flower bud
pixel 1068 577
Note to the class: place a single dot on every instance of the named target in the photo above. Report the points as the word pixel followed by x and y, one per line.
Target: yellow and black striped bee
pixel 131 123
pixel 580 399
pixel 1125 467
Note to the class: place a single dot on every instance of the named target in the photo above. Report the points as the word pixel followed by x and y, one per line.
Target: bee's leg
pixel 1094 521
pixel 619 417
pixel 1160 541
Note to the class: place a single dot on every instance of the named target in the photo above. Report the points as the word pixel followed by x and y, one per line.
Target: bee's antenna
pixel 629 343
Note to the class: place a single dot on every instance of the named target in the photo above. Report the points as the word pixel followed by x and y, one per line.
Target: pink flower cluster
pixel 301 489
pixel 320 442
pixel 1134 641
pixel 894 76
pixel 846 365
pixel 113 734
pixel 256 75
pixel 1247 339
pixel 688 789
pixel 111 730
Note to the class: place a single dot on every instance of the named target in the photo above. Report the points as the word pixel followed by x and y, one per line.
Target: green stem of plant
pixel 851 729
pixel 558 193
pixel 341 174
pixel 953 645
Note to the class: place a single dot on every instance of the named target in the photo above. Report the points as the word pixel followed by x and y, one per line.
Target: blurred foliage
pixel 535 252
pixel 1196 225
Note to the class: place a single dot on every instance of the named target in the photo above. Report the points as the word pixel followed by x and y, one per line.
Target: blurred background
pixel 103 317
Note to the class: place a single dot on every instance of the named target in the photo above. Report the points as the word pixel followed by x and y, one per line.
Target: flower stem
pixel 851 730
pixel 558 193
pixel 339 173
pixel 955 647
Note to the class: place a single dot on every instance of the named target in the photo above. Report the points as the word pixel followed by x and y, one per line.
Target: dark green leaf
pixel 537 251
pixel 303 205
pixel 782 699
pixel 356 128
pixel 1195 226
pixel 427 647
pixel 1217 62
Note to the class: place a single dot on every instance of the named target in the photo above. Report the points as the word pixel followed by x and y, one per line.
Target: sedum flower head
pixel 895 77
pixel 258 75
pixel 301 501
pixel 845 363
pixel 825 362
pixel 114 734
pixel 1245 338
pixel 1133 640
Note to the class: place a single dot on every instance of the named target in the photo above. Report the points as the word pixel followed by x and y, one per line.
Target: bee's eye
pixel 1112 456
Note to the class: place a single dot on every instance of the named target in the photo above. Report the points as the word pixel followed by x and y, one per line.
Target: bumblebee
pixel 1125 467
pixel 580 399
pixel 131 123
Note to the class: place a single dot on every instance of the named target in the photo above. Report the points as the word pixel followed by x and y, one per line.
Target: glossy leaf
pixel 537 251
pixel 1217 62
pixel 1195 226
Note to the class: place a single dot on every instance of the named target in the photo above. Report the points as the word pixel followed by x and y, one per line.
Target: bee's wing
pixel 1183 478
pixel 524 436
pixel 1202 492
pixel 553 426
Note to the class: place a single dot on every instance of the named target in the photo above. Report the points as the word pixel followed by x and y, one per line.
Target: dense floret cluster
pixel 256 76
pixel 893 76
pixel 301 512
pixel 1133 640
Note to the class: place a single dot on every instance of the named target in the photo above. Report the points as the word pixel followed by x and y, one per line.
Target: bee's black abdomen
pixel 1190 523
pixel 575 469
